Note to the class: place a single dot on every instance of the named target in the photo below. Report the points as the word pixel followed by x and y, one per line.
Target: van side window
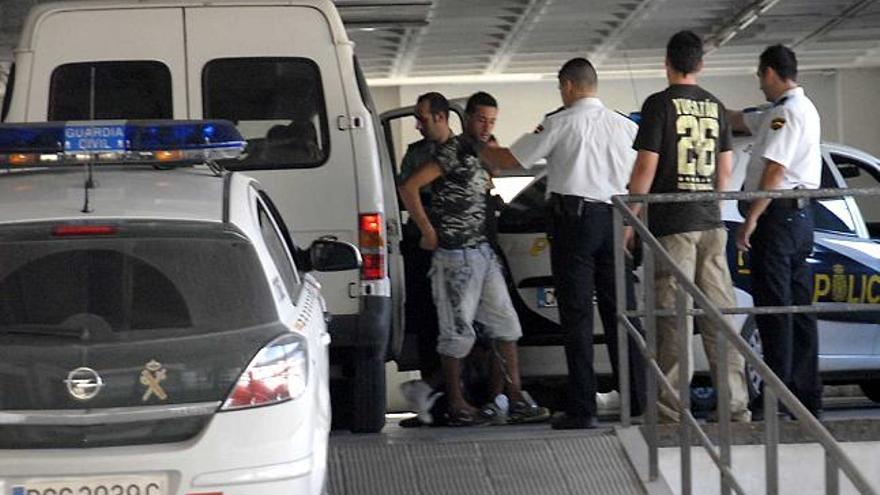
pixel 277 250
pixel 277 104
pixel 110 90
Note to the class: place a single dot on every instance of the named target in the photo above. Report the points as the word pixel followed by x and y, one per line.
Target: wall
pixel 842 98
pixel 860 111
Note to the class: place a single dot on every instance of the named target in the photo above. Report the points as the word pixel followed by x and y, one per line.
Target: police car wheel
pixel 871 389
pixel 749 333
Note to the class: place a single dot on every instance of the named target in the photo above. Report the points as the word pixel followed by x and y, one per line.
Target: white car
pixel 159 331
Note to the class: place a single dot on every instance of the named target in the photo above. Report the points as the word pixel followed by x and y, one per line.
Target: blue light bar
pixel 154 141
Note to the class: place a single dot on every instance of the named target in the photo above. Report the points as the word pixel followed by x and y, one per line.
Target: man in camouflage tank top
pixel 466 277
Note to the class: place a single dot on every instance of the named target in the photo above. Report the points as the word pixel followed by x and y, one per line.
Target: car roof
pixel 849 150
pixel 141 192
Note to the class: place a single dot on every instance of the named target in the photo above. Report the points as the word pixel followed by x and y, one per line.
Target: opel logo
pixel 84 383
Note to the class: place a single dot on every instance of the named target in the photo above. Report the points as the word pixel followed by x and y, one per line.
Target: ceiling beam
pixel 740 21
pixel 847 14
pixel 619 31
pixel 533 11
pixel 409 45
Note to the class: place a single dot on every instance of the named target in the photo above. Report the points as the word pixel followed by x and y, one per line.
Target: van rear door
pixel 250 64
pixel 134 72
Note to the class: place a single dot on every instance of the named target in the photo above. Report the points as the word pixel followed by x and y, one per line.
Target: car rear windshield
pixel 141 278
pixel 277 104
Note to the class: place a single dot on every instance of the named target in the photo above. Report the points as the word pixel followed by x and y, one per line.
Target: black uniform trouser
pixel 419 310
pixel 582 258
pixel 781 276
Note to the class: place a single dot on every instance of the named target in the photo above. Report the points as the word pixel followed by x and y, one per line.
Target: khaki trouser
pixel 701 256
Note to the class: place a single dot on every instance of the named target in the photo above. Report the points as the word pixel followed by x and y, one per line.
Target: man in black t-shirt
pixel 684 145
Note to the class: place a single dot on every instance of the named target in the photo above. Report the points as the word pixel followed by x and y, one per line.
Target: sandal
pixel 463 417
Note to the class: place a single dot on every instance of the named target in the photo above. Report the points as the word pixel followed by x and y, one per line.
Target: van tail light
pixel 278 373
pixel 372 244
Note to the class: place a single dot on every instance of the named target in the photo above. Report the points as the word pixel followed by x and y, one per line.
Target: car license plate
pixel 94 138
pixel 104 485
pixel 546 297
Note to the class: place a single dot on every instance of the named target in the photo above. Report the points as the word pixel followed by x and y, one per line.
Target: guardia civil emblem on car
pixel 84 383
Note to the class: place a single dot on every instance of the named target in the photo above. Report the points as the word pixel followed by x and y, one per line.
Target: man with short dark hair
pixel 779 233
pixel 466 278
pixel 589 157
pixel 684 145
pixel 481 112
pixel 419 310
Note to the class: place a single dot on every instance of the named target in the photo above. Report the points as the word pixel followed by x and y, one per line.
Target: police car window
pixel 858 173
pixel 110 90
pixel 277 250
pixel 134 283
pixel 278 106
pixel 832 214
pixel 527 212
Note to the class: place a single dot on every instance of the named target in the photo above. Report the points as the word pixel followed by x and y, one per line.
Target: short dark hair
pixel 437 103
pixel 782 59
pixel 579 71
pixel 685 52
pixel 479 99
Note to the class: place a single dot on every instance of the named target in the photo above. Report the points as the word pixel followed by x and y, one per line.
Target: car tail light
pixel 83 230
pixel 372 244
pixel 278 373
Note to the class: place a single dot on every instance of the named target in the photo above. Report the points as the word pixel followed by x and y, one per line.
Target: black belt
pixel 789 203
pixel 567 204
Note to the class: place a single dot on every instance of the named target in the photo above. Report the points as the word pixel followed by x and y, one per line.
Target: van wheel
pixel 368 391
pixel 871 389
pixel 750 334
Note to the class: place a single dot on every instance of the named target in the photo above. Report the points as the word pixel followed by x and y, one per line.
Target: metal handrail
pixel 774 388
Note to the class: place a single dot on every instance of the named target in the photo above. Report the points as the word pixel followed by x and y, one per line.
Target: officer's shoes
pixel 565 421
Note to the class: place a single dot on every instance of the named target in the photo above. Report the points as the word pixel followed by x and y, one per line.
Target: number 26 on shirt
pixel 697 139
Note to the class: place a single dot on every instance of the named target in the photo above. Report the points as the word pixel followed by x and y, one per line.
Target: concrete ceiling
pixel 526 38
pixel 400 41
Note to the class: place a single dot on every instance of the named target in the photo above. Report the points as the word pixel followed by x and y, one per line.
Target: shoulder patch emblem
pixel 539 129
pixel 777 123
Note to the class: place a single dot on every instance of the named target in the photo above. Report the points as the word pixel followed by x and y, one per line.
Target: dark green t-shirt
pixel 687 126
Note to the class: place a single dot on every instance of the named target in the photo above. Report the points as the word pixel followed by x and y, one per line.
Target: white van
pixel 285 73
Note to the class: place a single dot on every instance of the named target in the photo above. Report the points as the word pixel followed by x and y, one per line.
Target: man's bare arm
pixel 723 170
pixel 643 176
pixel 738 122
pixel 498 158
pixel 409 194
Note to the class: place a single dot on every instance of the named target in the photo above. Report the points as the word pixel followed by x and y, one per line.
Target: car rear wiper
pixel 80 333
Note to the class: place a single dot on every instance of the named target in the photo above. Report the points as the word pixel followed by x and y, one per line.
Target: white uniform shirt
pixel 789 134
pixel 588 150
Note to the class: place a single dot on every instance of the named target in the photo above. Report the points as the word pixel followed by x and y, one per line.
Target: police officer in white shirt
pixel 589 158
pixel 779 233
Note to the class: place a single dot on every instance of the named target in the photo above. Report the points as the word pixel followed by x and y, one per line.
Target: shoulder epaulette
pixel 781 101
pixel 554 112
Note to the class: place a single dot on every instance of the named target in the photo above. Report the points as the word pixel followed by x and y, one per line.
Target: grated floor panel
pixel 507 460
